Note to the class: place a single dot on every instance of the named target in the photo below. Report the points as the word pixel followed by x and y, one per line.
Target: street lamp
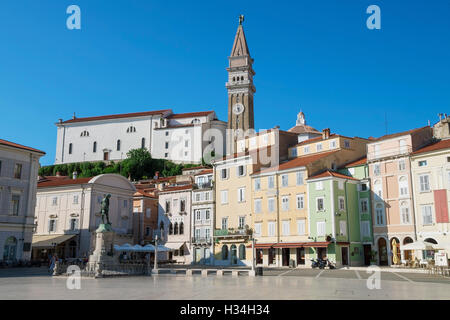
pixel 155 268
pixel 253 254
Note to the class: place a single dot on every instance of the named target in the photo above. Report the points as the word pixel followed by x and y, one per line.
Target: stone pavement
pixel 286 284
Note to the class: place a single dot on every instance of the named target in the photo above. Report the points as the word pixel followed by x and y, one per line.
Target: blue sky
pixel 133 56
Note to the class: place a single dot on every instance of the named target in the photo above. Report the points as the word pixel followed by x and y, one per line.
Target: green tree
pixel 137 164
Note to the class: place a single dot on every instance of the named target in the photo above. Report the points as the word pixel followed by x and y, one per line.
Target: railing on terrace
pixel 388 152
pixel 202 240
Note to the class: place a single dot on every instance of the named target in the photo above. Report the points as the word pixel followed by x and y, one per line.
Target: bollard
pixel 204 272
pixel 189 272
pixel 219 273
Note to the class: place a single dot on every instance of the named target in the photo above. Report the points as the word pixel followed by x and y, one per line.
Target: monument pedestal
pixel 104 250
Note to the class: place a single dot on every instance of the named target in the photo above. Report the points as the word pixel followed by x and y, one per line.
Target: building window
pixel 379 211
pixel 198 215
pixel 73 224
pixel 424 182
pixel 258 206
pixel 376 169
pixel 257 184
pixel 321 228
pixel 285 203
pixel 224 252
pixel 52 225
pixel 423 163
pixel 170 228
pixel 404 210
pixel 271 204
pixel 241 222
pixel 70 148
pixel 147 231
pixel 75 199
pixel 131 129
pixel 403 186
pixel 181 228
pixel 224 196
pixel 319 204
pixel 207 215
pixel 346 144
pixel 84 134
pixel 365 226
pixel 258 229
pixel 175 228
pixel 224 223
pixel 271 229
pixel 224 174
pixel 294 152
pixel 377 188
pixel 167 206
pixel 427 215
pixel 241 171
pixel 54 201
pixel 401 165
pixel 148 212
pixel 341 185
pixel 182 205
pixel 271 182
pixel 18 171
pixel 341 203
pixel 343 228
pixel 241 194
pixel 319 185
pixel 301 227
pixel 300 201
pixel 118 145
pixel 285 228
pixel 333 144
pixel 319 147
pixel 306 150
pixel 166 155
pixel 143 143
pixel 166 145
pixel 167 133
pixel 284 180
pixel 300 181
pixel 403 147
pixel 15 204
pixel 363 186
pixel 364 205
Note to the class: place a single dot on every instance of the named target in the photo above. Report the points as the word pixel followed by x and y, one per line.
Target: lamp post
pixel 156 255
pixel 253 254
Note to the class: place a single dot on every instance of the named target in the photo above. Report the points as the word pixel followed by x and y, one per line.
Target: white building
pixel 181 138
pixel 174 221
pixel 19 167
pixel 68 213
pixel 203 218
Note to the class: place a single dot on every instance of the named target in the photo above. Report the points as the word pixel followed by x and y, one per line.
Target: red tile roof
pixel 329 173
pixel 356 163
pixel 207 171
pixel 118 116
pixel 177 188
pixel 399 134
pixel 298 162
pixel 19 146
pixel 195 168
pixel 443 144
pixel 190 114
pixel 62 182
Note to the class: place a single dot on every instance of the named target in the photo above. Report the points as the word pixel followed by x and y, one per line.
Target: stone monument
pixel 103 254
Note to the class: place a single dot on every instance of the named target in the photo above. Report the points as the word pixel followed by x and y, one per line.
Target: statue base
pixel 104 250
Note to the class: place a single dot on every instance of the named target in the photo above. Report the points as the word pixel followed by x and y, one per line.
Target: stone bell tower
pixel 240 89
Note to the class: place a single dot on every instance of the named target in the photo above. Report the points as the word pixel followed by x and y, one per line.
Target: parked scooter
pixel 330 265
pixel 314 263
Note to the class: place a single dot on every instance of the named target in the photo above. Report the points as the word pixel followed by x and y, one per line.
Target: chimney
pixel 74 117
pixel 60 120
pixel 74 175
pixel 325 133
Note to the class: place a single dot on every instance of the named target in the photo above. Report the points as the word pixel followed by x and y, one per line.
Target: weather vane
pixel 241 19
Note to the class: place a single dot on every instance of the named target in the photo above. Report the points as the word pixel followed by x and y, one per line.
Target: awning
pixel 262 245
pixel 419 245
pixel 174 245
pixel 50 241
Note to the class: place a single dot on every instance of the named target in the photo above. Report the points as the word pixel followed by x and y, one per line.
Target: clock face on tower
pixel 238 108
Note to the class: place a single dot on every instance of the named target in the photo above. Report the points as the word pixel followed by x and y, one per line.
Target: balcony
pixel 232 232
pixel 203 185
pixel 389 152
pixel 202 240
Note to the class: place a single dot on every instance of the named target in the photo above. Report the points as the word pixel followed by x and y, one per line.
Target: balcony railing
pixel 202 240
pixel 232 232
pixel 389 152
pixel 204 185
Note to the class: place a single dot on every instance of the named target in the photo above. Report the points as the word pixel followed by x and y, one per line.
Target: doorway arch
pixel 407 254
pixel 382 252
pixel 233 250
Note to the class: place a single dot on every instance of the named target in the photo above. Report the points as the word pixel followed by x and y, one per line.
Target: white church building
pixel 181 138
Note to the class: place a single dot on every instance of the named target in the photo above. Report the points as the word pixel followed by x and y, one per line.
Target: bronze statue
pixel 105 209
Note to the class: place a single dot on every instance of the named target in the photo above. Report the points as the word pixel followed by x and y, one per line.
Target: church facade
pixel 181 138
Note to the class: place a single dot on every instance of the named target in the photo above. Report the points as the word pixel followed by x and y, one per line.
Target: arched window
pixel 118 145
pixel 403 186
pixel 181 227
pixel 224 252
pixel 175 231
pixel 379 211
pixel 84 134
pixel 195 121
pixel 241 252
pixel 94 147
pixel 143 143
pixel 431 240
pixel 131 129
pixel 404 212
pixel 171 228
pixel 70 148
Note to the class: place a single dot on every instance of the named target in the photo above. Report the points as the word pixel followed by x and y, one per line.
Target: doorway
pixel 367 250
pixel 382 252
pixel 233 254
pixel 259 256
pixel 10 249
pixel 300 256
pixel 271 255
pixel 344 254
pixel 321 253
pixel 106 155
pixel 285 256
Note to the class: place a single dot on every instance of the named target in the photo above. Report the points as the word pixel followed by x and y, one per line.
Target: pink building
pixel 390 174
